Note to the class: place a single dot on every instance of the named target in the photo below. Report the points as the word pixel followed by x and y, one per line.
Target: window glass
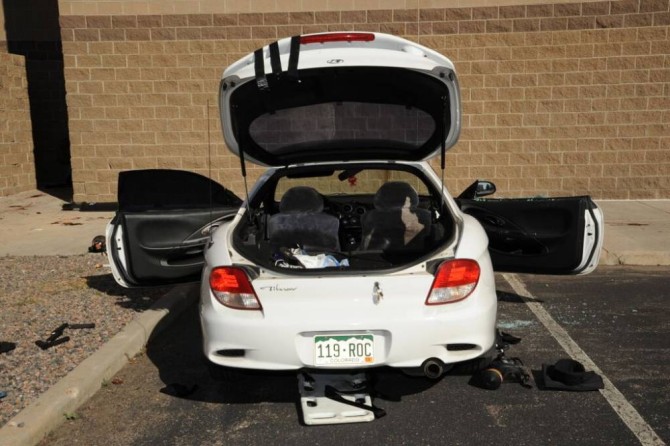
pixel 342 123
pixel 364 182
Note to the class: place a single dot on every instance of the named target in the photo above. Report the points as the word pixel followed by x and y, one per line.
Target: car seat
pixel 396 224
pixel 301 221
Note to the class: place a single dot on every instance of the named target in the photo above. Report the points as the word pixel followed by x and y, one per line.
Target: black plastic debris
pixel 98 244
pixel 80 326
pixel 2 394
pixel 508 339
pixel 55 338
pixel 45 345
pixel 6 347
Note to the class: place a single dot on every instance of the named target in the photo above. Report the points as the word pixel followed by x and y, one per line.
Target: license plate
pixel 342 350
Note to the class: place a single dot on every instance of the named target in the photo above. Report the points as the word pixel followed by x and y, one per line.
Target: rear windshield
pixel 343 124
pixel 352 182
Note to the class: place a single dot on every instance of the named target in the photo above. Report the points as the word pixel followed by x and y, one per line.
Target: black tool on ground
pixel 98 244
pixel 55 338
pixel 502 369
pixel 80 326
pixel 57 333
pixel 44 345
pixel 6 347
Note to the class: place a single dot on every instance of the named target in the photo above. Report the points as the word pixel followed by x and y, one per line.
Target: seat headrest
pixel 394 195
pixel 301 199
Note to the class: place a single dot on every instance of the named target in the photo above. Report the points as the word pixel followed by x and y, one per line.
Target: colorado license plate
pixel 342 350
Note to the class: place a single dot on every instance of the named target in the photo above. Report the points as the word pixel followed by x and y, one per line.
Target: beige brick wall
pixel 3 33
pixel 134 7
pixel 17 169
pixel 558 99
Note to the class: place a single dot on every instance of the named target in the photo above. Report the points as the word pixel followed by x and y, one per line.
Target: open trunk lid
pixel 340 97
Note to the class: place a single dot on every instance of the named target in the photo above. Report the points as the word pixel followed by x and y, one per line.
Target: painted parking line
pixel 628 414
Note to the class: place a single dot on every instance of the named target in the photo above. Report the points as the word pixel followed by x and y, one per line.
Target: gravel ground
pixel 37 294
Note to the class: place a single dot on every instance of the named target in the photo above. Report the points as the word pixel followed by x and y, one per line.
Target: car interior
pixel 365 217
pixel 542 235
pixel 378 223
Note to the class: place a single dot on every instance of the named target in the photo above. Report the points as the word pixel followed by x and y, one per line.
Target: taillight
pixel 232 288
pixel 336 37
pixel 454 281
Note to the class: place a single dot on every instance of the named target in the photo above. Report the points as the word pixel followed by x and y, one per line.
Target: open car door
pixel 540 235
pixel 163 223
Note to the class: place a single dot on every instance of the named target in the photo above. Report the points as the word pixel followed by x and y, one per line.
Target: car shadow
pixel 504 296
pixel 182 368
pixel 136 299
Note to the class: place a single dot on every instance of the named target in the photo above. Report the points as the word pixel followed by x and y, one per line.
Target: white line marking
pixel 614 397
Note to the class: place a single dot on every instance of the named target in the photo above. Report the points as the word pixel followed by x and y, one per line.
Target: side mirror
pixel 479 188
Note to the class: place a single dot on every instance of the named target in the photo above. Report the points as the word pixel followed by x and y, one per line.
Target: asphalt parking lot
pixel 616 317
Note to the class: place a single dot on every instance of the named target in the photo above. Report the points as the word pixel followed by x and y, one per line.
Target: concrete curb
pixel 31 425
pixel 635 258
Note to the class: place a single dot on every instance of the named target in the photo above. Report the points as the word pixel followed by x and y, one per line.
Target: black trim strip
pixel 259 68
pixel 274 58
pixel 293 57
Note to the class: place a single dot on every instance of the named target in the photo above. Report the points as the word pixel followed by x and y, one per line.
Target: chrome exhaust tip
pixel 433 368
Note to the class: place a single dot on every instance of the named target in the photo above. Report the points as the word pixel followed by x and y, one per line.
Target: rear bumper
pixel 253 340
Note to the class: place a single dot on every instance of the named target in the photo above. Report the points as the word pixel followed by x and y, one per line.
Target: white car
pixel 348 252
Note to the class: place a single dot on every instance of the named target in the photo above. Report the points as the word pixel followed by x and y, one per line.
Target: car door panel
pixel 163 246
pixel 163 223
pixel 538 235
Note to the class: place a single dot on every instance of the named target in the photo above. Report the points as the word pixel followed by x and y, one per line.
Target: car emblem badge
pixel 377 293
pixel 334 61
pixel 277 288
